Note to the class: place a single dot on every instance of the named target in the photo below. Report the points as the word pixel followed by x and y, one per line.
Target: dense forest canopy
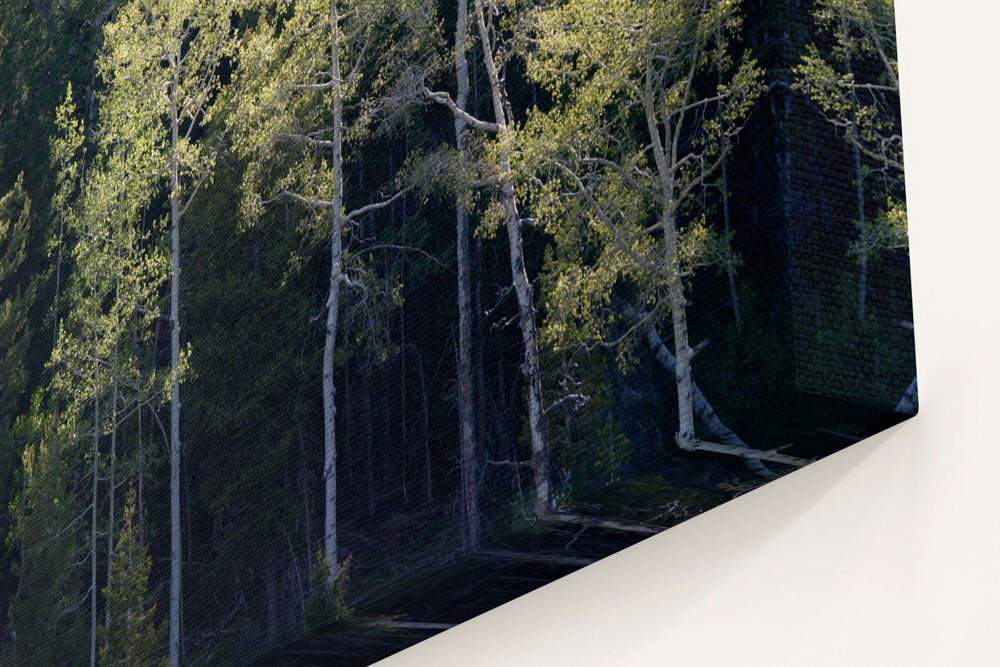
pixel 298 297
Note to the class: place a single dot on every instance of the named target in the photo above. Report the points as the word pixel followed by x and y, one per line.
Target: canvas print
pixel 328 325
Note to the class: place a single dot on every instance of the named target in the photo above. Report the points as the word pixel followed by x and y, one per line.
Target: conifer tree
pixel 45 619
pixel 16 295
pixel 131 637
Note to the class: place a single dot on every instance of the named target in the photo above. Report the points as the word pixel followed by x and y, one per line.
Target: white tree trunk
pixel 114 440
pixel 665 156
pixel 330 407
pixel 175 395
pixel 522 286
pixel 678 316
pixel 859 190
pixel 333 303
pixel 466 414
pixel 93 502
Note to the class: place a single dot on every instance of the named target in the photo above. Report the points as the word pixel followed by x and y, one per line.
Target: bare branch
pixel 577 399
pixel 308 201
pixel 470 120
pixel 699 347
pixel 326 85
pixel 371 208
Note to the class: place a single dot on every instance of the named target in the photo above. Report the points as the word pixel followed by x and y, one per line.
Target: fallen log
pixel 602 522
pixel 536 557
pixel 747 453
pixel 705 411
pixel 410 625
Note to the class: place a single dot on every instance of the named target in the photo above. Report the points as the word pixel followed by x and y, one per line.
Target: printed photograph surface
pixel 328 325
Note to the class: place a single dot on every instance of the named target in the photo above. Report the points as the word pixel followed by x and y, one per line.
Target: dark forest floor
pixel 674 490
pixel 457 592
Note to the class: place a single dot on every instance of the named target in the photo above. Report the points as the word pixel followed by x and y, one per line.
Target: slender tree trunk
pixel 863 246
pixel 175 394
pixel 333 302
pixel 329 403
pixel 93 526
pixel 678 316
pixel 859 188
pixel 734 293
pixel 567 414
pixel 522 286
pixel 111 454
pixel 664 155
pixel 140 465
pixel 93 503
pixel 466 413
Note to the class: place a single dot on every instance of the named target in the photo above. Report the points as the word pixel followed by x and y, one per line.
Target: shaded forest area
pixel 306 305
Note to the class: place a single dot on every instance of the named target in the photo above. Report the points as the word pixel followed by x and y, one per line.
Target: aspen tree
pixel 633 139
pixel 160 66
pixel 15 211
pixel 502 126
pixel 115 281
pixel 466 413
pixel 316 77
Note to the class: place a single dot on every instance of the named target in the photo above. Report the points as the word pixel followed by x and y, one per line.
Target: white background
pixel 887 553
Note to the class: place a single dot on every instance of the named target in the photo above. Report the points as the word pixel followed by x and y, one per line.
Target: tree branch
pixel 578 399
pixel 371 208
pixel 470 120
